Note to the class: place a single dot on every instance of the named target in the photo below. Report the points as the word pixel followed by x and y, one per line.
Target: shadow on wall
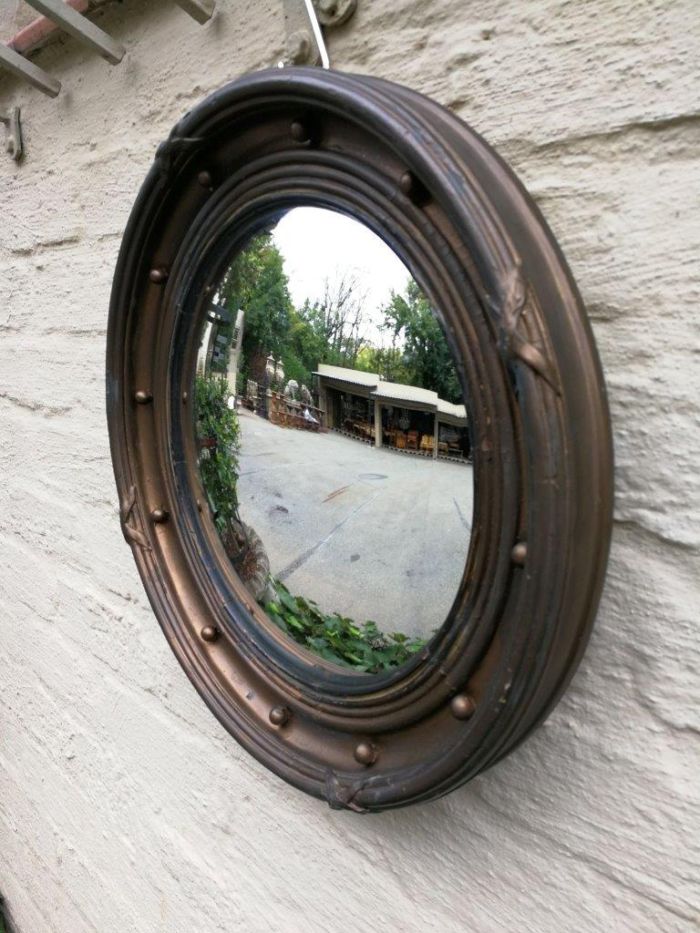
pixel 5 924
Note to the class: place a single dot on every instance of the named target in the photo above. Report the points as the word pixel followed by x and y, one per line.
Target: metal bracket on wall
pixel 22 68
pixel 64 15
pixel 13 143
pixel 334 12
pixel 305 44
pixel 303 19
pixel 80 28
pixel 201 10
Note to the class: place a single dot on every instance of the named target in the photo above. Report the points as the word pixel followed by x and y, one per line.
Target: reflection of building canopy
pixel 369 385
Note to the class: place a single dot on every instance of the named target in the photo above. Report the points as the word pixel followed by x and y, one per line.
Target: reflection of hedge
pixel 217 424
pixel 335 638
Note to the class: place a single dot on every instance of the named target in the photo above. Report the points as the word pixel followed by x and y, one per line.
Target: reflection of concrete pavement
pixel 368 533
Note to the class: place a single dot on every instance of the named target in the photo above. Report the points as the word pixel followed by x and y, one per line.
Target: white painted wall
pixel 123 805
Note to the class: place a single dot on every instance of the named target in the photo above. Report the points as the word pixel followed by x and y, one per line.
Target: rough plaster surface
pixel 123 805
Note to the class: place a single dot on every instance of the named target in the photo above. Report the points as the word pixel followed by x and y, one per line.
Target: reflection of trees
pixel 332 329
pixel 424 358
pixel 329 330
pixel 338 320
pixel 256 283
pixel 387 362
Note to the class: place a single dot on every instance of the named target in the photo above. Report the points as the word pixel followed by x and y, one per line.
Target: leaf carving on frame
pixel 132 534
pixel 171 148
pixel 509 311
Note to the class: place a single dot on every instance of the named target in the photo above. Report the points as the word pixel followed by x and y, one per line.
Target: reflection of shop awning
pixel 396 393
pixel 452 414
pixel 369 385
pixel 347 380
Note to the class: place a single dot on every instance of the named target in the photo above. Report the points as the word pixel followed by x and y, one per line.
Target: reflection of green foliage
pixel 218 465
pixel 304 348
pixel 329 330
pixel 388 362
pixel 319 334
pixel 340 640
pixel 426 359
pixel 256 283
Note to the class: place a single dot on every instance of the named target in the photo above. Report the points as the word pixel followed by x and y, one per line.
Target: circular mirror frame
pixel 474 241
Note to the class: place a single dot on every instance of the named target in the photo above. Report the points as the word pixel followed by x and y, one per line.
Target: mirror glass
pixel 333 443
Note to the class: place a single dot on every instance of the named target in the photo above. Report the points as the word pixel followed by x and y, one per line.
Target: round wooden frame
pixel 478 247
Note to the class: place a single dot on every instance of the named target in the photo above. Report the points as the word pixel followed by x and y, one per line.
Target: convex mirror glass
pixel 333 440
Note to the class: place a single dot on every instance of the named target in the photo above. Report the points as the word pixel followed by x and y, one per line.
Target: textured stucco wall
pixel 123 805
pixel 14 15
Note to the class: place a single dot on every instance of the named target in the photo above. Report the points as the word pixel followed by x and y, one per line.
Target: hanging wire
pixel 318 34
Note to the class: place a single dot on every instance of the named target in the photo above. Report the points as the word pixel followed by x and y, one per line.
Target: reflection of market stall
pixel 390 414
pixel 292 413
pixel 407 416
pixel 453 433
pixel 344 397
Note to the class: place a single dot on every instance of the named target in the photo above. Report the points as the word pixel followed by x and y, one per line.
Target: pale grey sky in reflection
pixel 317 244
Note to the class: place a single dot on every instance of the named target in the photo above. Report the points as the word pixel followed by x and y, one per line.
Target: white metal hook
pixel 318 34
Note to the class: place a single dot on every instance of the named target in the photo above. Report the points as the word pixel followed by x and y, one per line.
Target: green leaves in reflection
pixel 218 435
pixel 338 639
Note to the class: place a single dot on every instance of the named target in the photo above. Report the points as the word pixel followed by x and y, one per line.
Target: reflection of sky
pixel 319 244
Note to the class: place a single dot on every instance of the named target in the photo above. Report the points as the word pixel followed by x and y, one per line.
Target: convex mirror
pixel 359 433
pixel 319 360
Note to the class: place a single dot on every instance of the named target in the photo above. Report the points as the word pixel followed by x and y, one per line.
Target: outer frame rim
pixel 455 157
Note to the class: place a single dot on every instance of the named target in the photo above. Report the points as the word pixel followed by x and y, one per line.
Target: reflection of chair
pixel 412 440
pixel 426 443
pixel 400 440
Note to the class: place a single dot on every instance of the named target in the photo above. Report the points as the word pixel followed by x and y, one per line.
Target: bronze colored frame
pixel 478 247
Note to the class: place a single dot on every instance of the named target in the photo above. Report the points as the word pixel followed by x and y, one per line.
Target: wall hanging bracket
pixel 27 71
pixel 13 143
pixel 334 12
pixel 81 28
pixel 303 20
pixel 200 10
